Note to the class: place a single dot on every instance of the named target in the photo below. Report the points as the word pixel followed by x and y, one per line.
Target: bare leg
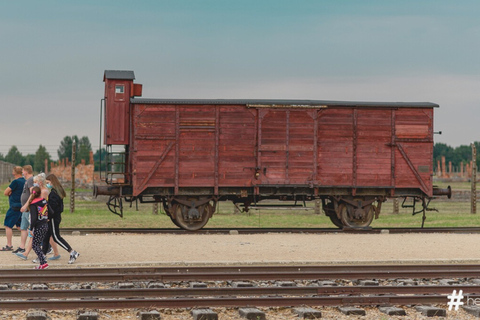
pixel 9 234
pixel 54 246
pixel 28 247
pixel 23 238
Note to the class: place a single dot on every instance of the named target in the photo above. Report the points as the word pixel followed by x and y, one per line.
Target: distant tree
pixel 83 150
pixel 65 149
pixel 14 156
pixel 30 159
pixel 458 155
pixel 39 160
pixel 96 159
pixel 462 154
pixel 2 158
pixel 441 149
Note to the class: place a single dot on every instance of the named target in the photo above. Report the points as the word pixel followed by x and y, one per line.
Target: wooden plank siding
pixel 414 135
pixel 225 145
pixel 153 137
pixel 374 156
pixel 335 147
pixel 236 165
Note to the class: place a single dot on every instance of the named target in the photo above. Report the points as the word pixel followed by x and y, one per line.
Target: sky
pixel 54 53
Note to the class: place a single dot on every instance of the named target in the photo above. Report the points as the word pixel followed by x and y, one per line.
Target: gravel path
pixel 130 249
pixel 166 250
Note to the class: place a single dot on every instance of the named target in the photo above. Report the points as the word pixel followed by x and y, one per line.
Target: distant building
pixel 6 172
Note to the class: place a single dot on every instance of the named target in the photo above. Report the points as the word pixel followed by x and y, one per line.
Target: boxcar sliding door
pixel 286 146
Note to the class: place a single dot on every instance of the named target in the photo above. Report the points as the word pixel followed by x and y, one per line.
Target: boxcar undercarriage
pixel 192 210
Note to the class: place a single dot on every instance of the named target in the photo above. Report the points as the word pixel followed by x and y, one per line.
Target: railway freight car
pixel 190 154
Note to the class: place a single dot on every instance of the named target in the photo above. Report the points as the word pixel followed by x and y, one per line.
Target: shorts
pixel 25 221
pixel 12 218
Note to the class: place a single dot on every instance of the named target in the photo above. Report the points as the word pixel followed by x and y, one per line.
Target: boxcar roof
pixel 119 75
pixel 286 103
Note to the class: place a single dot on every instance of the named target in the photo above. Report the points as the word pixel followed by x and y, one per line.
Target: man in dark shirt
pixel 28 175
pixel 14 215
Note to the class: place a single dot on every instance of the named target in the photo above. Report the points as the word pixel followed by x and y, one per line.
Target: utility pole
pixel 474 180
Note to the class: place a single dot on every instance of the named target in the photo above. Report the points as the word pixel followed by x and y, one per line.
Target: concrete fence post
pixel 72 192
pixel 474 180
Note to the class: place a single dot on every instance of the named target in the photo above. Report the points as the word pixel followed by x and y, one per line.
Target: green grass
pixel 92 213
pixel 456 185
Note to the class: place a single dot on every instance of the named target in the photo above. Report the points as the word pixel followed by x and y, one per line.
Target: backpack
pixel 43 212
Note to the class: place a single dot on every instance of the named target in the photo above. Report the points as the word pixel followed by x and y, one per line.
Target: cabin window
pixel 119 88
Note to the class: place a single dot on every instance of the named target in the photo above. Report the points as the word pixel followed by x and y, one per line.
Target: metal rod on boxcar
pixel 473 195
pixel 99 145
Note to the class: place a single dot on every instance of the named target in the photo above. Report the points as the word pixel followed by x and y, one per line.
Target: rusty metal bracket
pixel 115 205
pixel 359 204
pixel 194 203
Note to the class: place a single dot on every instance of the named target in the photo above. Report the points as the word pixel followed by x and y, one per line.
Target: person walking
pixel 24 225
pixel 13 217
pixel 38 181
pixel 28 245
pixel 55 200
pixel 38 224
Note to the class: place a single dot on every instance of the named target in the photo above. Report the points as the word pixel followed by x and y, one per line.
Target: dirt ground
pixel 237 249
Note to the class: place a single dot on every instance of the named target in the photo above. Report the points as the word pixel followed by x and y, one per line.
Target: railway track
pixel 228 273
pixel 173 287
pixel 83 231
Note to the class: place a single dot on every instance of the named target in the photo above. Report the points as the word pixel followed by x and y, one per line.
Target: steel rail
pixel 83 231
pixel 69 275
pixel 248 268
pixel 223 302
pixel 470 290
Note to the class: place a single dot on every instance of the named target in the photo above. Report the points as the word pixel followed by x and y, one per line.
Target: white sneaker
pixel 73 256
pixel 35 260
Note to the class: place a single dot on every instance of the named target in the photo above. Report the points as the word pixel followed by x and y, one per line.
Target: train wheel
pixel 337 222
pixel 330 212
pixel 171 212
pixel 355 219
pixel 192 219
pixel 175 222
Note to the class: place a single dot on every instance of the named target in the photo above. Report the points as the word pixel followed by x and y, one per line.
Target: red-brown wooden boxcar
pixel 190 154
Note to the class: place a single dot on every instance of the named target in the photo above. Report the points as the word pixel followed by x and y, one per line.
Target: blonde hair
pixel 28 168
pixel 40 179
pixel 17 170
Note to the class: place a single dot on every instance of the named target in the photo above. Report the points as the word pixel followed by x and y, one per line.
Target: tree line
pixel 64 152
pixel 457 155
